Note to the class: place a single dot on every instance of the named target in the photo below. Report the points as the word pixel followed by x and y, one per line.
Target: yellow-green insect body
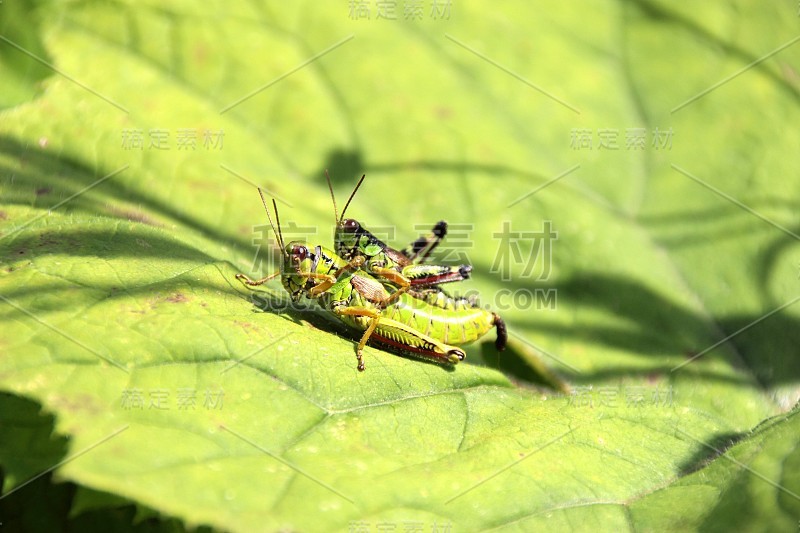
pixel 457 325
pixel 403 269
pixel 405 323
pixel 359 301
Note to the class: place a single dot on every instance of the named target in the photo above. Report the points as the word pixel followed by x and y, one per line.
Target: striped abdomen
pixel 450 326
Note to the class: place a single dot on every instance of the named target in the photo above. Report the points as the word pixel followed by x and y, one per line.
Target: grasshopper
pixel 403 269
pixel 402 323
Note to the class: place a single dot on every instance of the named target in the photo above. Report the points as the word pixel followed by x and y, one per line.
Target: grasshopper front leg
pixel 327 282
pixel 255 283
pixel 397 279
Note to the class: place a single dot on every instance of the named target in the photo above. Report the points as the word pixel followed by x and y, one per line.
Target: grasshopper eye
pixel 350 225
pixel 299 252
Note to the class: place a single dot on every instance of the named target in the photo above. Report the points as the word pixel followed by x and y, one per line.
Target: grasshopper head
pixel 348 231
pixel 353 239
pixel 347 237
pixel 298 262
pixel 301 260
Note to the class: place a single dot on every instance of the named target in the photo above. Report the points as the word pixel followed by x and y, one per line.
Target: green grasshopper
pixel 402 323
pixel 403 269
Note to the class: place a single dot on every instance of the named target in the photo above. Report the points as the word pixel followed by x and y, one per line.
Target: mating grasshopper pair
pixel 393 296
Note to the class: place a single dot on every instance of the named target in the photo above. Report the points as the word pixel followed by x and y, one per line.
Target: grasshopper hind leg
pixel 363 342
pixel 502 333
pixel 419 250
pixel 360 312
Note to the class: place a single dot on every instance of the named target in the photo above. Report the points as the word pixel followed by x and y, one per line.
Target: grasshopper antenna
pixel 277 231
pixel 336 218
pixel 352 194
pixel 278 223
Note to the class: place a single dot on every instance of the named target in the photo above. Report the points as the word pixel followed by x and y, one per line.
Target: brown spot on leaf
pixel 133 216
pixel 443 112
pixel 41 191
pixel 52 240
pixel 247 326
pixel 156 301
pixel 76 404
pixel 177 298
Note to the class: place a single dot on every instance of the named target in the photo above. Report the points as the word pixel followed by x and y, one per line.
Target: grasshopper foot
pixel 455 355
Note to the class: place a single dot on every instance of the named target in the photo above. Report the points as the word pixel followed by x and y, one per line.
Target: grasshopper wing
pixel 370 288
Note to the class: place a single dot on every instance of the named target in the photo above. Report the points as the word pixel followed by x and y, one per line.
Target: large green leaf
pixel 675 267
